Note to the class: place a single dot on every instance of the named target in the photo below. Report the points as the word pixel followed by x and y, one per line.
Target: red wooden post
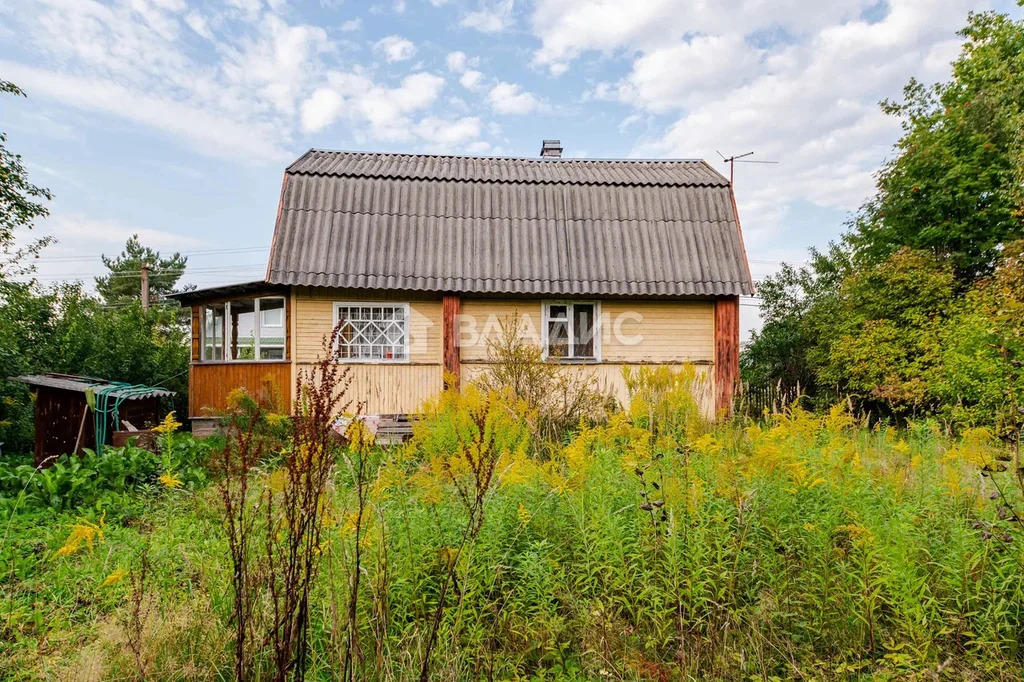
pixel 450 305
pixel 727 351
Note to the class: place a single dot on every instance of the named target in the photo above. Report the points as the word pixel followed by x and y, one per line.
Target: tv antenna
pixel 739 158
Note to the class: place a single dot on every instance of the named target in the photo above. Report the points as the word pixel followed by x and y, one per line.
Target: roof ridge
pixel 497 157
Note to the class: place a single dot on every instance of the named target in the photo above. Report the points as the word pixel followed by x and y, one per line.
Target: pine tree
pixel 124 283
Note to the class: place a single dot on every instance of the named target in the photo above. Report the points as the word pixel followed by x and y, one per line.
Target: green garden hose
pixel 106 405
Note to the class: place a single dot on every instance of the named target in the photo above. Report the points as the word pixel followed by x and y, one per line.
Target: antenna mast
pixel 738 158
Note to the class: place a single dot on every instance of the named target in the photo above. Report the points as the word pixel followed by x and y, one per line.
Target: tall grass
pixel 649 547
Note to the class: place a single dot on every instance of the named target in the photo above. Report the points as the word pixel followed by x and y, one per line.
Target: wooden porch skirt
pixel 210 383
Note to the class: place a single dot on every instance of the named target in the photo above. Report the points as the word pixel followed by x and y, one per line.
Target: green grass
pixel 811 548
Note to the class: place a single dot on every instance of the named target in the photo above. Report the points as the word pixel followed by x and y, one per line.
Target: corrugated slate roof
pixel 69 382
pixel 508 225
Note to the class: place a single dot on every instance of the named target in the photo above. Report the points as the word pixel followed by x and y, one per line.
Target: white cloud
pixel 446 133
pixel 471 80
pixel 794 81
pixel 209 133
pixel 380 112
pixel 351 25
pixel 128 61
pixel 321 109
pixel 492 17
pixel 395 48
pixel 197 22
pixel 72 227
pixel 457 61
pixel 509 98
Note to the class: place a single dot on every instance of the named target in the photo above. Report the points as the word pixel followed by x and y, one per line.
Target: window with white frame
pixel 246 330
pixel 372 332
pixel 571 331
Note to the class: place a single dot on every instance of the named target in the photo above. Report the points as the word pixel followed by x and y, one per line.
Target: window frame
pixel 406 308
pixel 226 350
pixel 545 319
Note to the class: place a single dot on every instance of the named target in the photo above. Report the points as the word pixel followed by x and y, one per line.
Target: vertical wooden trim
pixel 288 327
pixel 727 351
pixel 450 306
pixel 291 345
pixel 196 333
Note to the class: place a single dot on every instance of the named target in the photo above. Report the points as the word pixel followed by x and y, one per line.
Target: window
pixel 372 332
pixel 271 328
pixel 571 331
pixel 245 330
pixel 213 332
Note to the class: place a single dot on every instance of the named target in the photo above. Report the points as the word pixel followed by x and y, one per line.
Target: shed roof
pixel 80 384
pixel 548 226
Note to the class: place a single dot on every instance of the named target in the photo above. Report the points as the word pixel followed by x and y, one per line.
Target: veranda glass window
pixel 246 330
pixel 372 332
pixel 571 331
pixel 213 332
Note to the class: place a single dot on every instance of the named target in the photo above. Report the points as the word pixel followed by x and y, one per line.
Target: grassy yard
pixel 651 547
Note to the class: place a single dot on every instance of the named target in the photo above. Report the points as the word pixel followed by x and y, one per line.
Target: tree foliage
pixel 954 186
pixel 123 284
pixel 20 203
pixel 63 329
pixel 913 311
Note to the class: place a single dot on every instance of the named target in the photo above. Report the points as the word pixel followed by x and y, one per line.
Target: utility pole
pixel 145 286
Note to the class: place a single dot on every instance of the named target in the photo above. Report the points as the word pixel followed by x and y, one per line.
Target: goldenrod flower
pixel 83 532
pixel 524 514
pixel 114 578
pixel 170 480
pixel 168 425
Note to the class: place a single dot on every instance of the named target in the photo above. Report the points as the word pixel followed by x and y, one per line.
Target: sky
pixel 174 119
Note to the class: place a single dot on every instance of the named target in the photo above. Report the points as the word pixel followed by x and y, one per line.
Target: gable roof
pixel 508 225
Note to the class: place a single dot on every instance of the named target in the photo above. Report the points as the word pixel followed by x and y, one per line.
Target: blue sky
pixel 175 119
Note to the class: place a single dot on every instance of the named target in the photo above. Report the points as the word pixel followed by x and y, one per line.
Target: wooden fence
pixel 755 401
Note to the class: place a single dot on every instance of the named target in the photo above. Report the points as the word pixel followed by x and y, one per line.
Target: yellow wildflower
pixel 524 514
pixel 114 578
pixel 170 480
pixel 168 425
pixel 276 420
pixel 82 532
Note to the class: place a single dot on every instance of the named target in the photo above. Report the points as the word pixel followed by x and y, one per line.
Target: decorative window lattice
pixel 372 332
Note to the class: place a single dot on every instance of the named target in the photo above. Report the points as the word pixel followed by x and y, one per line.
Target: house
pixel 606 262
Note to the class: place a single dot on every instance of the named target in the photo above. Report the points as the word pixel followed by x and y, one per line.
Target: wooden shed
pixel 65 423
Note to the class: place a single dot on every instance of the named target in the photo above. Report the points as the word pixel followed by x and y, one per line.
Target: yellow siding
pixel 481 319
pixel 393 389
pixel 656 331
pixel 631 331
pixel 674 333
pixel 608 378
pixel 314 314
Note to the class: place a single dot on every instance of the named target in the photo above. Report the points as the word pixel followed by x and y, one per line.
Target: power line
pixel 188 254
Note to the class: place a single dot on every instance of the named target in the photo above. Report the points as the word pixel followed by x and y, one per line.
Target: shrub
pixel 560 395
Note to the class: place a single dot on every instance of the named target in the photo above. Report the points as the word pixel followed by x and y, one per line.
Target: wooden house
pixel 606 262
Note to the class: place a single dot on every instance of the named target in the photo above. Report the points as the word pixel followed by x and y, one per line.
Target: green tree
pixel 124 282
pixel 882 324
pixel 955 185
pixel 795 303
pixel 980 351
pixel 20 204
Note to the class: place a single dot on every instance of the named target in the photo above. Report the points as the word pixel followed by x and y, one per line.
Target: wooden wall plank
pixel 450 338
pixel 210 383
pixel 196 332
pixel 727 351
